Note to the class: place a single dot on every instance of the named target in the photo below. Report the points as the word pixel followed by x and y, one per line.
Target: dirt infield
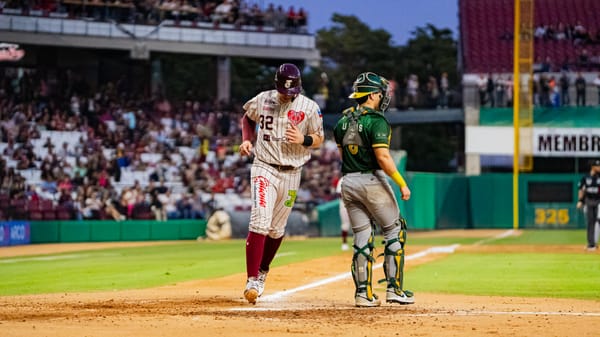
pixel 216 308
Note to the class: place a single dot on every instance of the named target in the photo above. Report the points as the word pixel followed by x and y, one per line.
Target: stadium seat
pixel 18 203
pixel 482 22
pixel 63 213
pixel 33 205
pixel 17 209
pixel 36 215
pixel 4 198
pixel 46 205
pixel 49 214
pixel 142 212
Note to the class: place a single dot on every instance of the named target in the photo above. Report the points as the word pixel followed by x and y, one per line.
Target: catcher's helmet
pixel 368 83
pixel 288 80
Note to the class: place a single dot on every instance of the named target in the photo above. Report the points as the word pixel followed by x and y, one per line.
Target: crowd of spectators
pixel 435 92
pixel 110 154
pixel 566 47
pixel 410 93
pixel 237 13
pixel 549 89
pixel 495 91
pixel 582 61
pixel 576 33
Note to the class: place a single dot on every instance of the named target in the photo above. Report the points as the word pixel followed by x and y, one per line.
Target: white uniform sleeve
pixel 315 121
pixel 251 108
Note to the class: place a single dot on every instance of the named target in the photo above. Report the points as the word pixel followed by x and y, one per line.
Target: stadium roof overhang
pixel 143 39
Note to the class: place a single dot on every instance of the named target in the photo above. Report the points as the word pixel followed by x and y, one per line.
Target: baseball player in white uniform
pixel 287 125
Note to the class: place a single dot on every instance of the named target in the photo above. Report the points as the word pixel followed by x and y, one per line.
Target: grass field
pixel 532 274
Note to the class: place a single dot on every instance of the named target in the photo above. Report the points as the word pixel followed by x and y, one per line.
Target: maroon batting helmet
pixel 287 79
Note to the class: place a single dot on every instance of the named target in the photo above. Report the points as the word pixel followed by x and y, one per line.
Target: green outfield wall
pixel 455 201
pixel 104 230
pixel 438 201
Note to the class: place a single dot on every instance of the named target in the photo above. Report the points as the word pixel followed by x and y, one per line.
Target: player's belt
pixel 361 172
pixel 282 167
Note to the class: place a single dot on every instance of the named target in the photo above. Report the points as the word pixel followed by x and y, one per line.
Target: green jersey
pixel 358 133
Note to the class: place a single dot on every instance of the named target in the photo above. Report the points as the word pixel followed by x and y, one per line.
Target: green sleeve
pixel 380 133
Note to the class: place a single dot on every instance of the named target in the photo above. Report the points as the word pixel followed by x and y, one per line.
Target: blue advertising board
pixel 4 233
pixel 14 233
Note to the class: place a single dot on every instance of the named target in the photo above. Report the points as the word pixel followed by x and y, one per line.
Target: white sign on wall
pixel 547 142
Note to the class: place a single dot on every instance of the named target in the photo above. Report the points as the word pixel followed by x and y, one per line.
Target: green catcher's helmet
pixel 368 83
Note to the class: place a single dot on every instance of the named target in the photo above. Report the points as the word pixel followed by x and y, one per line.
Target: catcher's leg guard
pixel 393 265
pixel 362 262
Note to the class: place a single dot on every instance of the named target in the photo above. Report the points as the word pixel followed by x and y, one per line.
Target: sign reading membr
pixel 544 142
pixel 566 142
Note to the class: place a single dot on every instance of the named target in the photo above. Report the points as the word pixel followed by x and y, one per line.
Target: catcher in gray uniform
pixel 363 139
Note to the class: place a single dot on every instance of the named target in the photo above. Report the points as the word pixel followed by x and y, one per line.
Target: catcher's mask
pixel 287 80
pixel 369 83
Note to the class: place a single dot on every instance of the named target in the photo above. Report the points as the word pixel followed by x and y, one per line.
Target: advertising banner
pixel 14 233
pixel 4 233
pixel 547 142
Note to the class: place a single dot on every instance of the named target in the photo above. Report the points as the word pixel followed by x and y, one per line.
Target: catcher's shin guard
pixel 393 264
pixel 362 263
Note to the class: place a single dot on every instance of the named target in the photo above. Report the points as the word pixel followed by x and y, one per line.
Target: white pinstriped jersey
pixel 273 118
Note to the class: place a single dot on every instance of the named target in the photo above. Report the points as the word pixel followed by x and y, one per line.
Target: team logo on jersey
pixel 261 184
pixel 269 138
pixel 295 117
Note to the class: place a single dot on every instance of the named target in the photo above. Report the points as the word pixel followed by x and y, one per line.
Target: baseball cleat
pixel 399 296
pixel 251 291
pixel 260 282
pixel 361 300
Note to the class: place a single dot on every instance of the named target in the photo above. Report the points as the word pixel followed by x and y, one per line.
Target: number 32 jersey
pixel 274 118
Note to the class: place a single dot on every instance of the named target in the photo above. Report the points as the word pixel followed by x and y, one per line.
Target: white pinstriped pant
pixel 273 196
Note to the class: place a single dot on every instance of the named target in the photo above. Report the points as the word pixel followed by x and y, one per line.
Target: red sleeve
pixel 248 129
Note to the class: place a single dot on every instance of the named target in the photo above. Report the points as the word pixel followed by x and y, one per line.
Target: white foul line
pixel 433 250
pixel 502 235
pixel 543 313
pixel 440 249
pixel 441 313
pixel 281 294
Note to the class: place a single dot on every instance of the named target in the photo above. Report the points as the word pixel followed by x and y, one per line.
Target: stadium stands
pixel 222 14
pixel 56 165
pixel 565 28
